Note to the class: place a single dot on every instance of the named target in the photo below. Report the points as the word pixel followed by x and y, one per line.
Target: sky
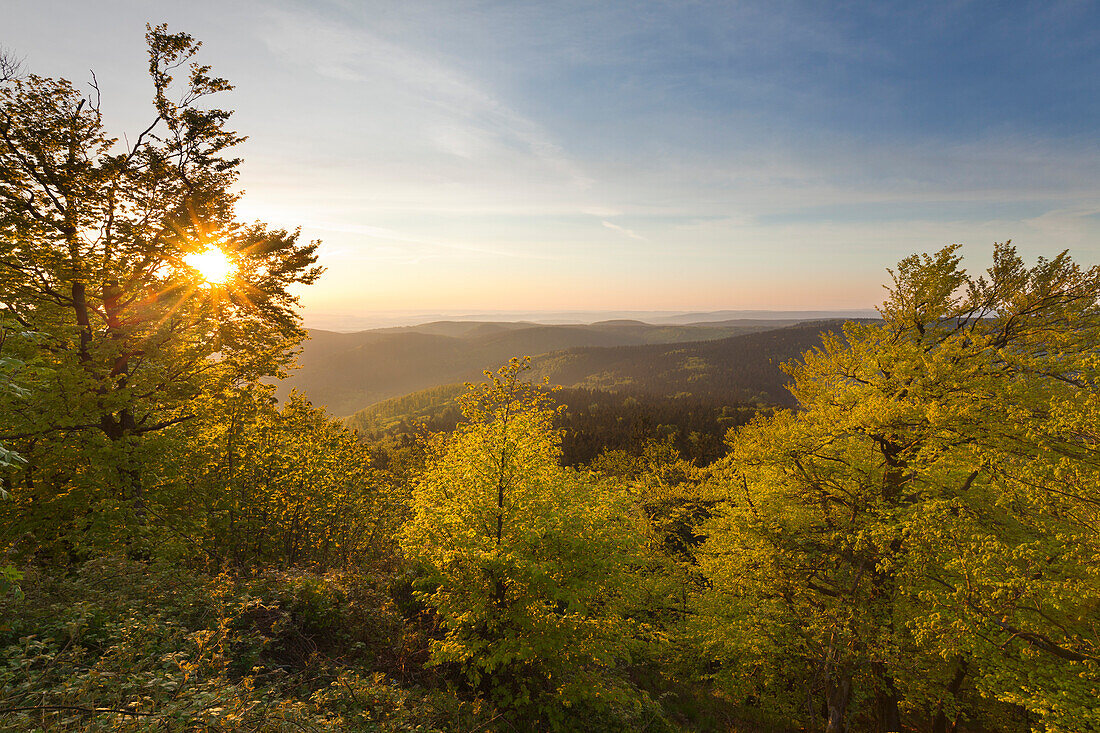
pixel 676 156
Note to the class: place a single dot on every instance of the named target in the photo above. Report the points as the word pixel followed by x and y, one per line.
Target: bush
pixel 118 645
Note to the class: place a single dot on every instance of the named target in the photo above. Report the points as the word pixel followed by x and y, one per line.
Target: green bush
pixel 117 645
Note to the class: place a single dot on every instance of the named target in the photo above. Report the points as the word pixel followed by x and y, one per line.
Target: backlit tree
pixel 533 569
pixel 137 288
pixel 922 535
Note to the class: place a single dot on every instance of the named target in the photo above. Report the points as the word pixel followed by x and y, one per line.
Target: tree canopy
pixel 534 569
pixel 96 236
pixel 923 530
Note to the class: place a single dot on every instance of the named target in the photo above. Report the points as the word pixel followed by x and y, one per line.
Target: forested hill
pixel 593 422
pixel 621 396
pixel 346 372
pixel 735 369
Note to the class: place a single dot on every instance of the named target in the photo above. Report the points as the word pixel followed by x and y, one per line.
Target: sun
pixel 213 265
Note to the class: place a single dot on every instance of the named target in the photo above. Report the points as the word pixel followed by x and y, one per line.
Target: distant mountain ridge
pixel 732 360
pixel 346 323
pixel 348 371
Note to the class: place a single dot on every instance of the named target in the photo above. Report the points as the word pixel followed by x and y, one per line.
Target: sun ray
pixel 213 265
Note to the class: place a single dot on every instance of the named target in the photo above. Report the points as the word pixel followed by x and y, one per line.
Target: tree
pixel 922 533
pixel 531 566
pixel 14 383
pixel 10 66
pixel 254 484
pixel 96 237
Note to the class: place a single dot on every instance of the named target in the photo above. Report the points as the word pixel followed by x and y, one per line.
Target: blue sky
pixel 469 156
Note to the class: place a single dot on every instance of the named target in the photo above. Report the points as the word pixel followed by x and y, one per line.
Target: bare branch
pixel 11 68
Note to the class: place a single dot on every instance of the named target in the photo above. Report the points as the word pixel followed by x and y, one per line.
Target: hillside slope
pixel 738 368
pixel 347 371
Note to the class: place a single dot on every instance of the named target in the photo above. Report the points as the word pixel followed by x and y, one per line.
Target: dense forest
pixel 909 541
pixel 590 422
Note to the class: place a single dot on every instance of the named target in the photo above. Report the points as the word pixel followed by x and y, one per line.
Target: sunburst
pixel 213 265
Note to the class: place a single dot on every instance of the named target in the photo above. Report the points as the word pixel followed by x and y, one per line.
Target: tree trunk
pixel 886 700
pixel 837 706
pixel 83 321
pixel 939 725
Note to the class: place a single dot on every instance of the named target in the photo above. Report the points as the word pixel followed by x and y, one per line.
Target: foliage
pixel 16 376
pixel 122 646
pixel 13 380
pixel 252 483
pixel 94 237
pixel 532 568
pixel 922 536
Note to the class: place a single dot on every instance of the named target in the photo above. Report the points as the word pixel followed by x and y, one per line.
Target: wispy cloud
pixel 457 114
pixel 623 230
pixel 425 245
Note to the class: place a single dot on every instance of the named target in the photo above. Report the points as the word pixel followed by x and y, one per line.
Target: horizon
pixel 351 323
pixel 621 156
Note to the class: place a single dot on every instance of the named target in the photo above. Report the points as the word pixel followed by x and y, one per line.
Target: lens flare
pixel 213 265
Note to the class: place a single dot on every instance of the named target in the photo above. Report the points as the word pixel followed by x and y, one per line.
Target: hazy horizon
pixel 347 322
